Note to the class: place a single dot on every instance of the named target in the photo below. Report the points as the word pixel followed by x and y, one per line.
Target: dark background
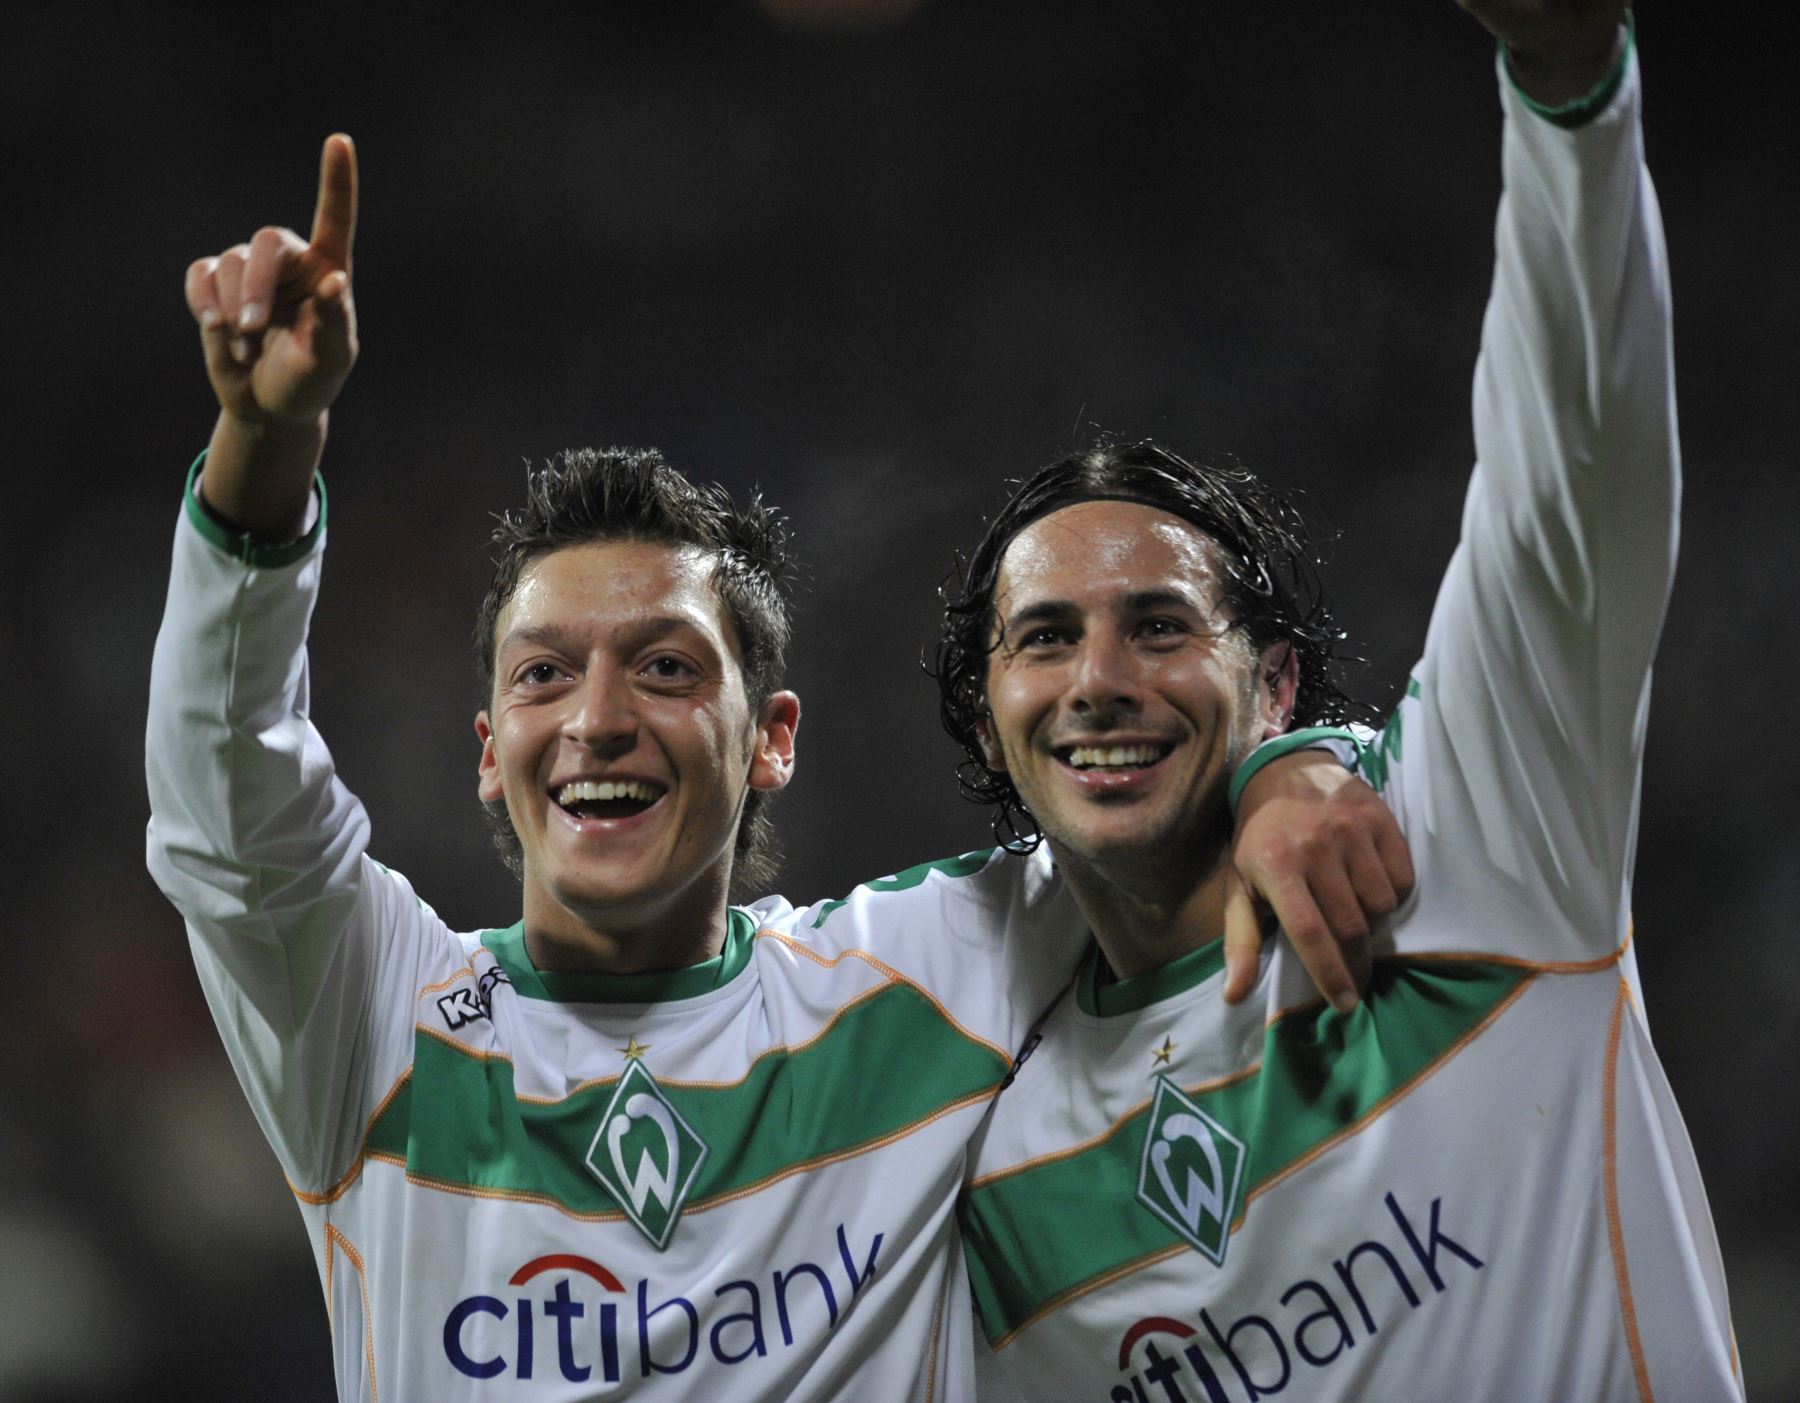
pixel 874 270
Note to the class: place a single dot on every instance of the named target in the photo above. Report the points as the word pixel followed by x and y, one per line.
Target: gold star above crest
pixel 635 1051
pixel 1161 1055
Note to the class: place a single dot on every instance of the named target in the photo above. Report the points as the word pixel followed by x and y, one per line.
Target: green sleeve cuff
pixel 1584 109
pixel 241 545
pixel 1283 745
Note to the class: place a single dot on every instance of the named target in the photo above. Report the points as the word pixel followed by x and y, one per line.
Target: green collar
pixel 655 987
pixel 1099 995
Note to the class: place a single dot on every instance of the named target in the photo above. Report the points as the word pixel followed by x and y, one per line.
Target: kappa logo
pixel 1191 1171
pixel 466 1004
pixel 645 1154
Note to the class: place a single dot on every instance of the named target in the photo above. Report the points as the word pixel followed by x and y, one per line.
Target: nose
pixel 1106 677
pixel 603 714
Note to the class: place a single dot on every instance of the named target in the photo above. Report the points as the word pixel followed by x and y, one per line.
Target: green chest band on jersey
pixel 1180 1170
pixel 457 1123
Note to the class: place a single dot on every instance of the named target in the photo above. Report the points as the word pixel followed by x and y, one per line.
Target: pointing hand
pixel 277 323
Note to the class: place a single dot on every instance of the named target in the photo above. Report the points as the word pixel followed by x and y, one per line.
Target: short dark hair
pixel 1272 590
pixel 631 494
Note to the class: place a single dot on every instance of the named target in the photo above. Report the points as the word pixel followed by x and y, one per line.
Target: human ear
pixel 991 753
pixel 772 748
pixel 1277 687
pixel 487 770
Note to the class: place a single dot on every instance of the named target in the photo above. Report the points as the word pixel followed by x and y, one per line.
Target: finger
pixel 1311 935
pixel 1348 911
pixel 274 253
pixel 202 296
pixel 1243 941
pixel 1338 897
pixel 228 277
pixel 1337 900
pixel 1373 887
pixel 334 217
pixel 1396 859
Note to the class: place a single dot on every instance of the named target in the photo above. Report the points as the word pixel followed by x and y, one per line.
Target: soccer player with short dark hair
pixel 1476 1186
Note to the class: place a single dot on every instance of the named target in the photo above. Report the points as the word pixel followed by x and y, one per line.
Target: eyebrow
pixel 1141 601
pixel 555 636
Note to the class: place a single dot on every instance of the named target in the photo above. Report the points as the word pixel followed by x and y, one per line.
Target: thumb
pixel 336 319
pixel 333 297
pixel 1243 940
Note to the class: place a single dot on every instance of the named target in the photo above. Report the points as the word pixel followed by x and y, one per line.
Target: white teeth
pixel 599 790
pixel 1084 757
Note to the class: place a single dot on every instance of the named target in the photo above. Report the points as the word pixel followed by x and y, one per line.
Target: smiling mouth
pixel 1113 757
pixel 624 798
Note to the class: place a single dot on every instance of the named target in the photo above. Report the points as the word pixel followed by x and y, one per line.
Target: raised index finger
pixel 334 220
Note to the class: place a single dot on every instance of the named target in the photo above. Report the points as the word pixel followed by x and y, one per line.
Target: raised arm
pixel 1529 705
pixel 296 935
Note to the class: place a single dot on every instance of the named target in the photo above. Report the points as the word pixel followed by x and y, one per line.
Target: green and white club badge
pixel 1191 1171
pixel 645 1154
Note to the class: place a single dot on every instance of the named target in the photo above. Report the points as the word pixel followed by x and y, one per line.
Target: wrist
pixel 1306 737
pixel 258 475
pixel 1565 76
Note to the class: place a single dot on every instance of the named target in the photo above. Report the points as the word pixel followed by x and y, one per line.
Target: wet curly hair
pixel 1272 592
pixel 585 495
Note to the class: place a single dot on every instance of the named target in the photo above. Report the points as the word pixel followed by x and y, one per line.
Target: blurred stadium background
pixel 873 257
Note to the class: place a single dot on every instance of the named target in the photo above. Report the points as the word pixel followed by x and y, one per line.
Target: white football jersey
pixel 1477 1186
pixel 730 1181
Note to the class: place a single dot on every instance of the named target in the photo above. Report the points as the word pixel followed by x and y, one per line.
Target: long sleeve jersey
pixel 1477 1186
pixel 735 1180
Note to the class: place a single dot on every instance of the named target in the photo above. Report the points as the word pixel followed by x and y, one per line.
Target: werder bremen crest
pixel 645 1154
pixel 1191 1171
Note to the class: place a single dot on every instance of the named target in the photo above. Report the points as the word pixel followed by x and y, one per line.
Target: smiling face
pixel 1119 697
pixel 622 741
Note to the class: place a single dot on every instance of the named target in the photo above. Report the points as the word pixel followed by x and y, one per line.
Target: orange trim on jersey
pixel 1442 957
pixel 466 972
pixel 893 976
pixel 488 1055
pixel 1381 1107
pixel 1057 1302
pixel 891 973
pixel 335 1238
pixel 1615 1231
pixel 337 1190
pixel 1513 961
pixel 420 1181
pixel 1198 1089
pixel 479 1054
pixel 770 1051
pixel 788 1172
pixel 1368 1118
pixel 698 1205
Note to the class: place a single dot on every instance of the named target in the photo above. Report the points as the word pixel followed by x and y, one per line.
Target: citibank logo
pixel 563 1307
pixel 573 1318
